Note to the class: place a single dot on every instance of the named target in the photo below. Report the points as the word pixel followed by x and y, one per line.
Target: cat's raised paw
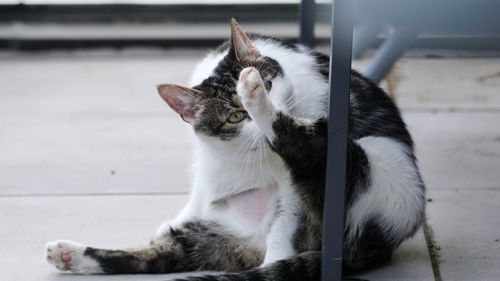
pixel 69 256
pixel 254 98
pixel 250 85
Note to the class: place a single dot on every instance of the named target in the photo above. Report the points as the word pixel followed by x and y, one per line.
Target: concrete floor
pixel 89 152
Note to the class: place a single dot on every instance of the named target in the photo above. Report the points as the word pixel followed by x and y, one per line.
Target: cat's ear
pixel 182 100
pixel 241 44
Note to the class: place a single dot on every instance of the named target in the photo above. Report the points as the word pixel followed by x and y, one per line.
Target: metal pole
pixel 365 34
pixel 307 19
pixel 340 72
pixel 392 49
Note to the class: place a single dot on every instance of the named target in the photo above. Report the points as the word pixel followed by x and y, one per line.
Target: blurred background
pixel 89 152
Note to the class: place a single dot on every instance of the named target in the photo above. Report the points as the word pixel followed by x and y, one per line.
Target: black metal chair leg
pixel 340 72
pixel 307 20
pixel 392 49
pixel 365 34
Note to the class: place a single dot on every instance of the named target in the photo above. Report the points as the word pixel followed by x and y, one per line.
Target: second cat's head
pixel 213 107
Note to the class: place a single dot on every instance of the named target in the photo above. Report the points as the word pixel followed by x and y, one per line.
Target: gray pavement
pixel 89 152
pixel 79 123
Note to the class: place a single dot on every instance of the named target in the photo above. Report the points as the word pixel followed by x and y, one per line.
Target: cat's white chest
pixel 243 195
pixel 249 208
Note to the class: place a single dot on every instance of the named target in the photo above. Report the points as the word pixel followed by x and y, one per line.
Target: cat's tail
pixel 303 267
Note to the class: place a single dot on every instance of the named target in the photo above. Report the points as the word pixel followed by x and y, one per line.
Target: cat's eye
pixel 268 85
pixel 236 116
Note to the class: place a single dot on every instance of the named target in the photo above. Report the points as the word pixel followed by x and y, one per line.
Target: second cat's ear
pixel 241 44
pixel 182 100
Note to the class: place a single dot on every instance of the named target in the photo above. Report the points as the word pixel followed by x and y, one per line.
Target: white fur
pixel 229 168
pixel 69 256
pixel 225 169
pixel 395 194
pixel 279 239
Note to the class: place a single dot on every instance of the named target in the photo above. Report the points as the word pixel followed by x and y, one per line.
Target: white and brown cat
pixel 258 107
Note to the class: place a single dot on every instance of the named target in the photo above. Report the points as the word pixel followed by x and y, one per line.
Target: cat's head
pixel 213 107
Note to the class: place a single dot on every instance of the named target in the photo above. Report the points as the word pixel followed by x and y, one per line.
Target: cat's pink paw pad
pixel 254 98
pixel 69 256
pixel 66 257
pixel 250 83
pixel 60 254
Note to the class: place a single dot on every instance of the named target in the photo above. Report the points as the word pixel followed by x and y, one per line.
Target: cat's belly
pixel 249 210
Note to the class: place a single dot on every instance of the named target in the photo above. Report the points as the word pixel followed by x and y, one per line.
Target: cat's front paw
pixel 250 86
pixel 253 96
pixel 69 256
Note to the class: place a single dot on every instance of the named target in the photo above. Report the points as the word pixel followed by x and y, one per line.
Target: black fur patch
pixel 303 267
pixel 371 249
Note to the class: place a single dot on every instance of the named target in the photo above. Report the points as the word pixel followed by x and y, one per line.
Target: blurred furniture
pixel 444 23
pixel 467 19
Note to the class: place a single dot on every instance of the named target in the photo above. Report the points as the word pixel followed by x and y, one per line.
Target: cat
pixel 258 107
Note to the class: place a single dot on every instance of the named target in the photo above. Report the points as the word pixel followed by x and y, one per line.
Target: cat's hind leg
pixel 194 246
pixel 75 257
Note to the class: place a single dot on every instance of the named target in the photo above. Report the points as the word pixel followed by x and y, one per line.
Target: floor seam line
pixel 423 109
pixel 432 249
pixel 35 195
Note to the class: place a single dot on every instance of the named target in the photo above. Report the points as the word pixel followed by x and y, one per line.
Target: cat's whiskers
pixel 245 153
pixel 288 101
pixel 216 99
pixel 263 161
pixel 250 156
pixel 295 101
pixel 241 155
pixel 259 66
pixel 255 152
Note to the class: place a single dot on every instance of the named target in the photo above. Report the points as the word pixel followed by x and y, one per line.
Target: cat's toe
pixel 69 256
pixel 253 96
pixel 53 255
pixel 250 84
